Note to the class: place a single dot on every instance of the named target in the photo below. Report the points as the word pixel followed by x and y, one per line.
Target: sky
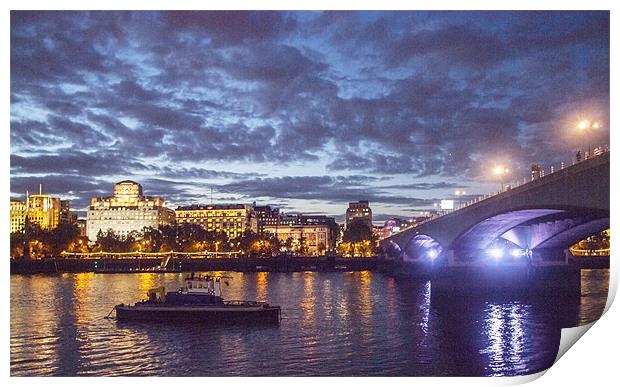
pixel 302 110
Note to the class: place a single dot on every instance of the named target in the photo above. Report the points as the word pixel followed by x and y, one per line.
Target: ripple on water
pixel 340 324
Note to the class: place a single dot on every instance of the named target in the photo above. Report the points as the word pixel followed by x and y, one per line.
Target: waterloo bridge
pixel 518 239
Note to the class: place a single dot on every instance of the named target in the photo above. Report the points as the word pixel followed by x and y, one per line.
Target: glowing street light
pixel 585 126
pixel 501 171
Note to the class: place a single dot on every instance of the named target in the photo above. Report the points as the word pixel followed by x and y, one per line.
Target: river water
pixel 335 324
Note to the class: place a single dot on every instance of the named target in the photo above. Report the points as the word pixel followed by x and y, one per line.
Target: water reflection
pixel 146 282
pixel 308 300
pixel 504 329
pixel 261 286
pixel 349 324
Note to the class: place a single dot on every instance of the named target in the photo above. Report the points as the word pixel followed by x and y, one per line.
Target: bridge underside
pixel 531 230
pixel 527 230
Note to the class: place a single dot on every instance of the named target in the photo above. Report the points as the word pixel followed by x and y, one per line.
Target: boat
pixel 200 300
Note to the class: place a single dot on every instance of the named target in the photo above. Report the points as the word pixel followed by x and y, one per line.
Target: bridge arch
pixel 422 247
pixel 530 229
pixel 545 213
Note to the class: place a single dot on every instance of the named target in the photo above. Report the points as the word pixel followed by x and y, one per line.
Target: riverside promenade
pixel 281 263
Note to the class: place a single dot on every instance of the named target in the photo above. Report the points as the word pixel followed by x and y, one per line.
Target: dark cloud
pixel 425 186
pixel 174 96
pixel 74 162
pixel 232 27
pixel 325 188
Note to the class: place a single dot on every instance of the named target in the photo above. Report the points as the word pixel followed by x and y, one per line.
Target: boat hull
pixel 202 314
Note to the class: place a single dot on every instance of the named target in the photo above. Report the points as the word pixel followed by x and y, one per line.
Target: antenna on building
pixel 211 194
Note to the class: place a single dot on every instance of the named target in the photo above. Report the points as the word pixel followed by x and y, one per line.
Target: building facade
pixel 265 216
pixel 232 219
pixel 40 209
pixel 359 211
pixel 81 226
pixel 66 215
pixel 316 238
pixel 314 220
pixel 125 211
pixel 44 210
pixel 18 216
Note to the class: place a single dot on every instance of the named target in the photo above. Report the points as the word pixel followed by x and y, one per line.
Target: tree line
pixel 38 243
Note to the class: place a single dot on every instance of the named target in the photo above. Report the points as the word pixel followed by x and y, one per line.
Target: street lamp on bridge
pixel 586 127
pixel 458 193
pixel 501 171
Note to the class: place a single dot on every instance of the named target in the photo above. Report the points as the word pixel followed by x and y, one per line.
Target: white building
pixel 315 237
pixel 126 211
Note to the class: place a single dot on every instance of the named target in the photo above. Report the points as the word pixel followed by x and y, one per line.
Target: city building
pixel 265 216
pixel 359 211
pixel 232 219
pixel 66 215
pixel 18 216
pixel 313 220
pixel 126 211
pixel 81 225
pixel 40 209
pixel 316 238
pixel 44 210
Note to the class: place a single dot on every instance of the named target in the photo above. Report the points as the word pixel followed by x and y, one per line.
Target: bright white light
pixel 500 170
pixel 447 204
pixel 496 253
pixel 432 254
pixel 583 124
pixel 516 253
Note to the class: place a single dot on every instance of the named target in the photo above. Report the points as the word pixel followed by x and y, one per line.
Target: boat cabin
pixel 203 285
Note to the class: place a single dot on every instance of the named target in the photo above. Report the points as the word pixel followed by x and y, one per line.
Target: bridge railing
pixel 553 168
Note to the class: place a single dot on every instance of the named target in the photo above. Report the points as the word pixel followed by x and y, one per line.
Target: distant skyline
pixel 303 110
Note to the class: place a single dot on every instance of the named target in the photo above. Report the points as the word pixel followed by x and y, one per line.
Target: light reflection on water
pixel 350 324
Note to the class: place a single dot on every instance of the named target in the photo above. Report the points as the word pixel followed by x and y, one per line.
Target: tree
pixel 303 245
pixel 321 248
pixel 108 241
pixel 168 238
pixel 61 237
pixel 78 245
pixel 358 240
pixel 246 240
pixel 357 231
pixel 190 236
pixel 288 244
pixel 152 240
pixel 17 245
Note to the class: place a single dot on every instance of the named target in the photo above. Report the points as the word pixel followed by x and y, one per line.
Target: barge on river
pixel 200 300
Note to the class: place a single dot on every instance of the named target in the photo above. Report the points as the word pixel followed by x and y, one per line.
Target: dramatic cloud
pixel 309 110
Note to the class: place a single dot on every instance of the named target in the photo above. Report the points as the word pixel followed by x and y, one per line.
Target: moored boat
pixel 200 300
